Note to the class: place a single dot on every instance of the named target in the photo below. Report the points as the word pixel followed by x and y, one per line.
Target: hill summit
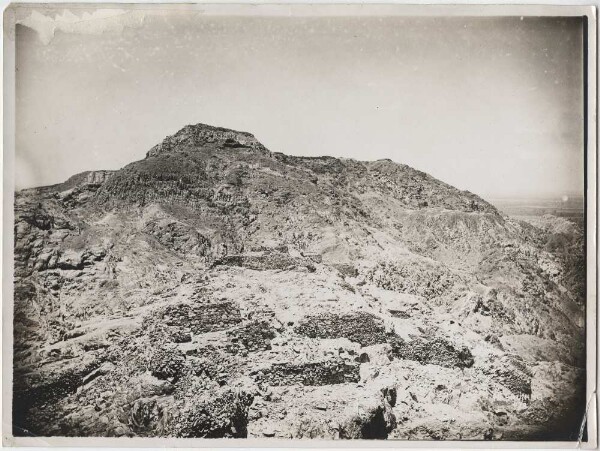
pixel 217 289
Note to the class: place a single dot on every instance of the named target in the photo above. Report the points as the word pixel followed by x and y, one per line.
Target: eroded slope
pixel 215 289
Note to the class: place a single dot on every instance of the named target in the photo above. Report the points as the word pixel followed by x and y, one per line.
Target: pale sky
pixel 492 105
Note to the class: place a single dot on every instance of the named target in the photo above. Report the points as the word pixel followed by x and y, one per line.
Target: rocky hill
pixel 217 289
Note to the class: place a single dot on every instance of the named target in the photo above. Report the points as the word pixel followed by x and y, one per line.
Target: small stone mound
pixel 364 328
pixel 435 352
pixel 202 318
pixel 328 372
pixel 207 368
pixel 266 261
pixel 180 336
pixel 166 363
pixel 252 337
pixel 415 276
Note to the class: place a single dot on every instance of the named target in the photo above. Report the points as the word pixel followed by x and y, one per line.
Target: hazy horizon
pixel 493 105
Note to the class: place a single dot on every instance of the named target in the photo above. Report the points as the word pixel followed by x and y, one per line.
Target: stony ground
pixel 216 289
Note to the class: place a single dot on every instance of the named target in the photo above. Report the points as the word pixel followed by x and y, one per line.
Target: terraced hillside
pixel 216 289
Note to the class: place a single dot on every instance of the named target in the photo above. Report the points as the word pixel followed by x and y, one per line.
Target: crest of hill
pixel 201 135
pixel 199 160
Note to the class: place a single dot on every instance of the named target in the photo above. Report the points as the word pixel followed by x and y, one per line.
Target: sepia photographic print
pixel 290 224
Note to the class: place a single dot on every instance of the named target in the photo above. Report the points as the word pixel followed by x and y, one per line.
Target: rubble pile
pixel 327 372
pixel 364 328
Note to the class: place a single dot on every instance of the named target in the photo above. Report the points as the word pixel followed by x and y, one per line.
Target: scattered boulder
pixel 373 420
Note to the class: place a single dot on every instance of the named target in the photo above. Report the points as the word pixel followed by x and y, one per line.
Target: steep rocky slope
pixel 216 289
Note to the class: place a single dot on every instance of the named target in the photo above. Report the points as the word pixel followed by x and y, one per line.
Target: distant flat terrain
pixel 570 207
